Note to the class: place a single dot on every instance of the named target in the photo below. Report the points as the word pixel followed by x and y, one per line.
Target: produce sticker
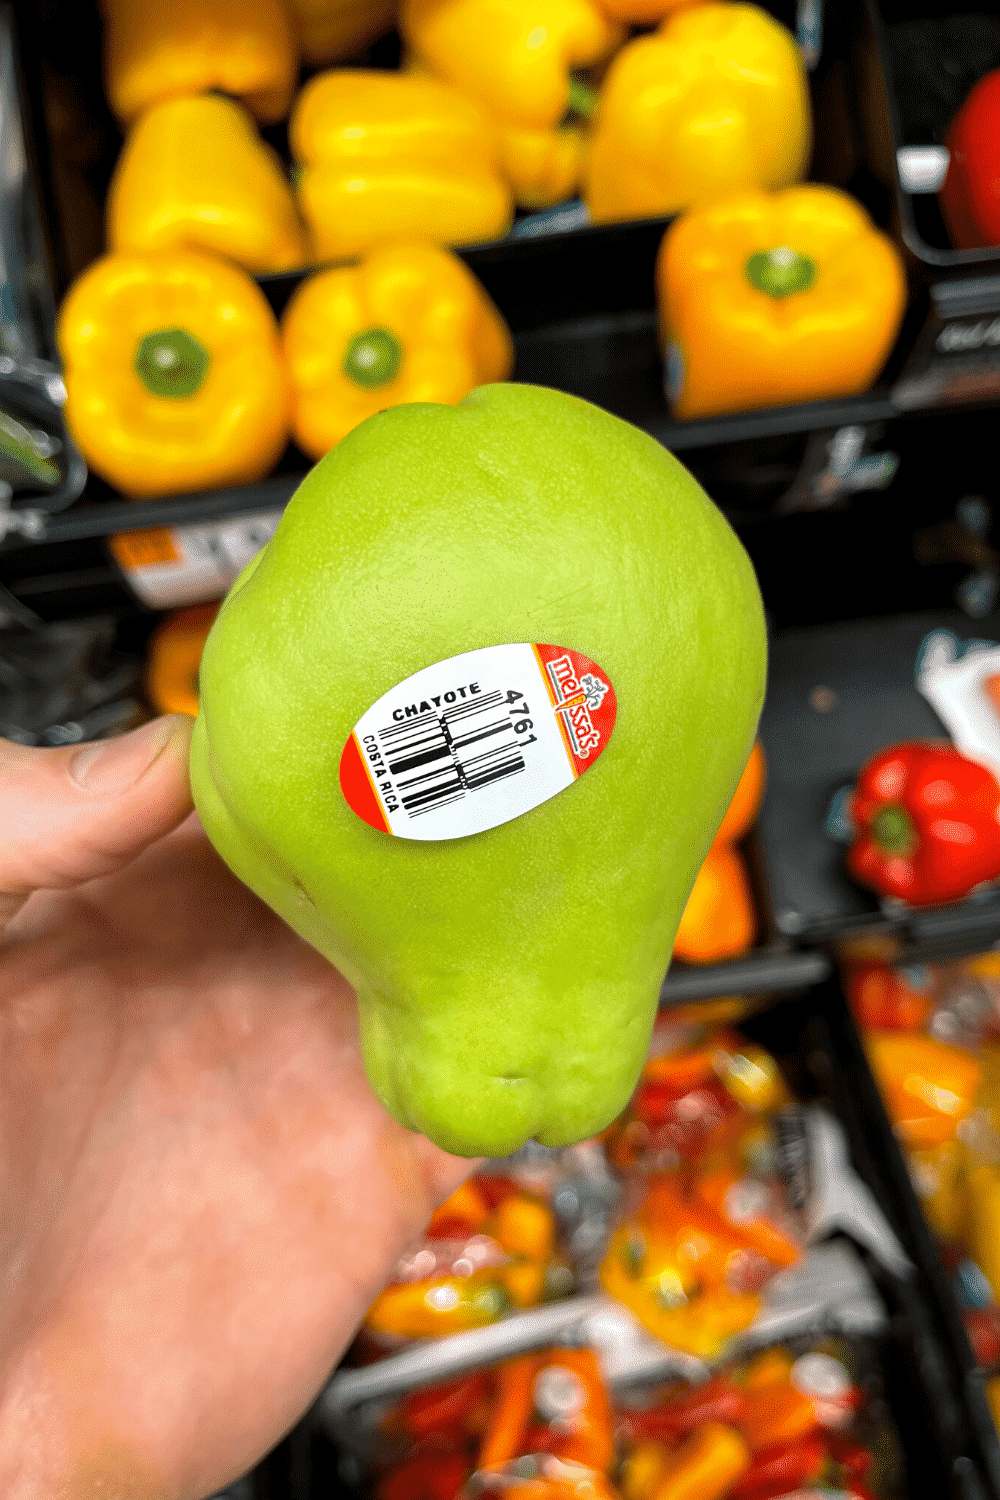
pixel 476 740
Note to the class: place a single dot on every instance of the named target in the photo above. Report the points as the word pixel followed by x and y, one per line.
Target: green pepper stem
pixel 172 363
pixel 373 358
pixel 780 272
pixel 582 98
pixel 892 829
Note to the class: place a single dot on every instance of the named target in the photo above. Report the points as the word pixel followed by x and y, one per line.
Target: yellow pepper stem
pixel 170 362
pixel 582 98
pixel 780 272
pixel 373 357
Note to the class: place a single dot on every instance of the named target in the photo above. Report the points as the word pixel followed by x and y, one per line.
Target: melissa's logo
pixel 576 698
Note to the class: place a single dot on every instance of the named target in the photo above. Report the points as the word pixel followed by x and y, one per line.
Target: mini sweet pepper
pixel 926 821
pixel 410 323
pixel 671 1265
pixel 514 57
pixel 970 197
pixel 771 298
pixel 195 175
pixel 713 102
pixel 242 47
pixel 387 156
pixel 175 379
pixel 928 1086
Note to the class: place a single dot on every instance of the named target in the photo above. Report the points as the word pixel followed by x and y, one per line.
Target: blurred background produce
pixel 414 199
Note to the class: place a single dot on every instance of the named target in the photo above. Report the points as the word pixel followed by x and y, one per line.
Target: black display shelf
pixel 927 57
pixel 837 695
pixel 763 972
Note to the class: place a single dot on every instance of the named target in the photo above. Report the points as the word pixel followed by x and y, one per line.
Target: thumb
pixel 72 815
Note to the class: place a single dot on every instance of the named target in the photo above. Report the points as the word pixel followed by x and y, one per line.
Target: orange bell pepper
pixel 524 1227
pixel 747 798
pixel 776 1414
pixel 463 1212
pixel 445 1304
pixel 719 920
pixel 669 1265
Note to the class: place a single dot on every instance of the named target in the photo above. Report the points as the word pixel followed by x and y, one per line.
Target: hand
pixel 199 1193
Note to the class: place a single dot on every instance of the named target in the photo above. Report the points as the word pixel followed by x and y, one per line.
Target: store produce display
pixel 756 1258
pixel 526 110
pixel 931 1036
pixel 784 1421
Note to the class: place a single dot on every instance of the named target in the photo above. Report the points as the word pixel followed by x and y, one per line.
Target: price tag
pixel 169 566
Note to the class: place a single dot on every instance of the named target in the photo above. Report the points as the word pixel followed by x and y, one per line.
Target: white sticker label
pixel 169 566
pixel 476 740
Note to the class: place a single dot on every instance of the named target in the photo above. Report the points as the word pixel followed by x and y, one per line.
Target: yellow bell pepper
pixel 155 51
pixel 175 379
pixel 766 299
pixel 712 102
pixel 391 156
pixel 194 175
pixel 411 323
pixel 543 167
pixel 514 57
pixel 643 12
pixel 928 1086
pixel 330 30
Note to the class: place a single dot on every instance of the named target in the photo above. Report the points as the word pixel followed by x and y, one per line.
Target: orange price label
pixel 138 549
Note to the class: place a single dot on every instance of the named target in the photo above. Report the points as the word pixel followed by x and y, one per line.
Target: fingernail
pixel 114 765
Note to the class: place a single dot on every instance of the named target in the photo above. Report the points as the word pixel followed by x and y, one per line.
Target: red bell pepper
pixel 926 821
pixel 970 198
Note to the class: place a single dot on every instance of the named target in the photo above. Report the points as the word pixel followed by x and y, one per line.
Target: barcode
pixel 438 759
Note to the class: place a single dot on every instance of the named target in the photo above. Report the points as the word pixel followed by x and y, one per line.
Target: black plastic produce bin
pixel 917 64
pixel 580 302
pixel 950 1447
